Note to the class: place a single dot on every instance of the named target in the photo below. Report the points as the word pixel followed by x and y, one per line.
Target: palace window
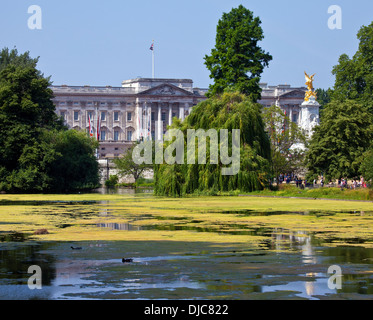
pixel 153 116
pixel 129 116
pixel 103 135
pixel 129 135
pixel 103 116
pixel 163 116
pixel 76 115
pixel 116 135
pixel 116 116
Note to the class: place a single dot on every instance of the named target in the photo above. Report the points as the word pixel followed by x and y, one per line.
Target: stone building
pixel 126 113
pixel 289 98
pixel 130 112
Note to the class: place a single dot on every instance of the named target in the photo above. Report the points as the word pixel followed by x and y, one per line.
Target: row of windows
pixel 115 115
pixel 102 116
pixel 90 103
pixel 103 136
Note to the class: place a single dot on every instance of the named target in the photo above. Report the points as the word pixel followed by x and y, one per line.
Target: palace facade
pixel 132 111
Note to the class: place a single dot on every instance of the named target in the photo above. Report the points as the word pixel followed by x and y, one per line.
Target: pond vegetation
pixel 194 248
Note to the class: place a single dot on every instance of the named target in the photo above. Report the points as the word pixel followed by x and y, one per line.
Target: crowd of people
pixel 302 183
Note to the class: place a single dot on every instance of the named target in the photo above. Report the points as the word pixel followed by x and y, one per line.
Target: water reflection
pixel 289 263
pixel 119 226
pixel 316 286
pixel 285 240
pixel 119 190
pixel 75 275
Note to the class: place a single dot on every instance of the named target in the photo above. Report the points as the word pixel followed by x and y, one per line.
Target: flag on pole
pixel 98 127
pixel 90 125
pixel 152 50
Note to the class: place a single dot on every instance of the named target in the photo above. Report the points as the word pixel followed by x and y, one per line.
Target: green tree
pixel 228 111
pixel 237 61
pixel 126 166
pixel 338 143
pixel 74 166
pixel 27 116
pixel 8 57
pixel 26 110
pixel 284 135
pixel 367 165
pixel 354 76
pixel 323 97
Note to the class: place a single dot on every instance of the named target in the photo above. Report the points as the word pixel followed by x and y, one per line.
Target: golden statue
pixel 309 83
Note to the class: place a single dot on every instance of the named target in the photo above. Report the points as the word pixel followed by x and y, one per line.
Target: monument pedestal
pixel 309 116
pixel 308 119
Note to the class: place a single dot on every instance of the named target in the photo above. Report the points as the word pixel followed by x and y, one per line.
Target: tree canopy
pixel 28 154
pixel 237 61
pixel 229 111
pixel 323 98
pixel 338 143
pixel 126 166
pixel 354 76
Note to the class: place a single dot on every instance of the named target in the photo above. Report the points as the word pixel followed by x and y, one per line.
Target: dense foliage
pixel 237 61
pixel 229 111
pixel 338 143
pixel 367 165
pixel 36 151
pixel 340 146
pixel 354 76
pixel 323 98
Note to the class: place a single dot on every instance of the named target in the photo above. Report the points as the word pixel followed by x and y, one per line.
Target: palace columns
pixel 169 114
pixel 181 112
pixel 160 124
pixel 139 122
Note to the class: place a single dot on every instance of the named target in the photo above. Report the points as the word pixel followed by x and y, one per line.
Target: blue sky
pixel 104 42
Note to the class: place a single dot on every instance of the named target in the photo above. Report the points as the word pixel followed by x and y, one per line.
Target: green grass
pixel 319 193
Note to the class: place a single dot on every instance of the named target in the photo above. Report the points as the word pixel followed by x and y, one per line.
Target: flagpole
pixel 96 128
pixel 153 69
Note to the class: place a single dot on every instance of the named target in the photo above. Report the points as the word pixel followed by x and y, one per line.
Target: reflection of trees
pixel 339 255
pixel 14 264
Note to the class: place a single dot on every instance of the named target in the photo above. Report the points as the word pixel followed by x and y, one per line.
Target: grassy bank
pixel 319 193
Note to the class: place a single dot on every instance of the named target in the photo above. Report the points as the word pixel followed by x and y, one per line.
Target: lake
pixel 192 248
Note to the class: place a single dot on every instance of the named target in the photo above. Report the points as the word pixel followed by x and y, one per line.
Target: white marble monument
pixel 309 113
pixel 309 116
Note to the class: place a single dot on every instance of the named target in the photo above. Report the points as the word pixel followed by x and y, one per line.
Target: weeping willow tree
pixel 230 111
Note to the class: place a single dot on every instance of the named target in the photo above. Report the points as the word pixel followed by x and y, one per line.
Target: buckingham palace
pixel 123 114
